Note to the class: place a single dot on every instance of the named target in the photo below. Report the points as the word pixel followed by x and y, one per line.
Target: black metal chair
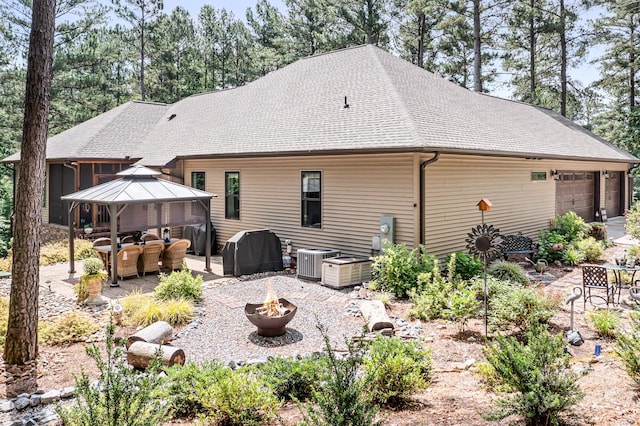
pixel 596 278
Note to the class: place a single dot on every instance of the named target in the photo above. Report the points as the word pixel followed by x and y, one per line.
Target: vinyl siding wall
pixel 455 185
pixel 356 191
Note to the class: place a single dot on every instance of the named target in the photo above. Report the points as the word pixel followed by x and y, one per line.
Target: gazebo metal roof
pixel 138 185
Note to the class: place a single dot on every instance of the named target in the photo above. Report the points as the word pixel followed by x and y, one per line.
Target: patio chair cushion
pixel 174 255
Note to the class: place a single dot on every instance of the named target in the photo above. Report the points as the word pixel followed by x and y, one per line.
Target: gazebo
pixel 140 200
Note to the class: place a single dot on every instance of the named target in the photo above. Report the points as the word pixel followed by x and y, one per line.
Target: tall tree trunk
pixel 142 93
pixel 532 51
pixel 422 22
pixel 632 66
pixel 21 345
pixel 563 59
pixel 477 58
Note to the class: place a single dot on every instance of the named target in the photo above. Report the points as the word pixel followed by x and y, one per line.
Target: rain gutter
pixel 423 195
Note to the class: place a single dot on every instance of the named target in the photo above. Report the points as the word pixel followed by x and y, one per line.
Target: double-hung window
pixel 197 180
pixel 232 195
pixel 311 202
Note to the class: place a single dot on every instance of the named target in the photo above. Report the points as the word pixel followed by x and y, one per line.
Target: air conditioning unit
pixel 309 262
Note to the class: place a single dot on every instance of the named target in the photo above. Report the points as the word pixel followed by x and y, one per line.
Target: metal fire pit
pixel 270 326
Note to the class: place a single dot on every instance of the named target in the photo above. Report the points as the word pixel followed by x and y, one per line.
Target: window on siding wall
pixel 538 175
pixel 311 202
pixel 232 195
pixel 197 180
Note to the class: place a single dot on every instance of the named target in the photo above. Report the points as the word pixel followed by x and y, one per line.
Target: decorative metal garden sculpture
pixel 485 242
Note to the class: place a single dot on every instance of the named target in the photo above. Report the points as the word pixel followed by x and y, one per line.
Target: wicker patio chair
pixel 174 255
pixel 150 237
pixel 128 261
pixel 104 256
pixel 127 239
pixel 149 260
pixel 596 278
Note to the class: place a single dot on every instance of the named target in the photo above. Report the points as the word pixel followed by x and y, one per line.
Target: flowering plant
pixel 552 246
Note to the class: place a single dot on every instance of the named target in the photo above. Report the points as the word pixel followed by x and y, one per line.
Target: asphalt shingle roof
pixel 393 104
pixel 111 135
pixel 299 109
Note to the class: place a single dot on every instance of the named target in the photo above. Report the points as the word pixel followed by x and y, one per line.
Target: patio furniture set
pixel 150 254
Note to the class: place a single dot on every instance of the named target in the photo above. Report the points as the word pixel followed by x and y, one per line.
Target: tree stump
pixel 159 332
pixel 140 354
pixel 374 312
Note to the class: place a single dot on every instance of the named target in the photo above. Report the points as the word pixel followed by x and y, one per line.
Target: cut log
pixel 140 354
pixel 159 332
pixel 374 312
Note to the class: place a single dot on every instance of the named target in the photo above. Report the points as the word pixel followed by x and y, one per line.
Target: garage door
pixel 612 194
pixel 575 192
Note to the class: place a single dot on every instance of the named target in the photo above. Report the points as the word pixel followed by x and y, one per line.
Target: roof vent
pixel 346 105
pixel 171 117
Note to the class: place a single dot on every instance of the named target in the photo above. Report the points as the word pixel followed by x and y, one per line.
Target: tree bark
pixel 140 354
pixel 374 312
pixel 159 332
pixel 563 59
pixel 532 51
pixel 477 58
pixel 421 33
pixel 21 343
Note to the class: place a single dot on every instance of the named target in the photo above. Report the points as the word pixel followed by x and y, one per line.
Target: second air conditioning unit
pixel 309 262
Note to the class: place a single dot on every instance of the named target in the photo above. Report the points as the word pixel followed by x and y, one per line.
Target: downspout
pixel 423 195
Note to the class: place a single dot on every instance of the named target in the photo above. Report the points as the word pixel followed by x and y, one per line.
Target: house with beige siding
pixel 326 150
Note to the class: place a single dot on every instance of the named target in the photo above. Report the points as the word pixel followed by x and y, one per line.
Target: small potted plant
pixel 88 228
pixel 599 230
pixel 88 290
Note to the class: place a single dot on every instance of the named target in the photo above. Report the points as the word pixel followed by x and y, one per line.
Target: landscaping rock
pixel 6 406
pixel 67 392
pixel 21 403
pixel 51 396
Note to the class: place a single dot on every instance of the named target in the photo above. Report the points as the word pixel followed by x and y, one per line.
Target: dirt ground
pixel 456 396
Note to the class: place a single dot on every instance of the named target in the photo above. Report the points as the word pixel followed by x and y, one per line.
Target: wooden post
pixel 159 332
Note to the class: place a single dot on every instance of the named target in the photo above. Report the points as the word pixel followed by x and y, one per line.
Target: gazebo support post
pixel 207 249
pixel 72 266
pixel 113 215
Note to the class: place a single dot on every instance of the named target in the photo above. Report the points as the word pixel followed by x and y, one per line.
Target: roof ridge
pixel 139 101
pixel 399 99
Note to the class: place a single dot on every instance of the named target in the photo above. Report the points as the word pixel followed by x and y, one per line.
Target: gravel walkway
pixel 223 332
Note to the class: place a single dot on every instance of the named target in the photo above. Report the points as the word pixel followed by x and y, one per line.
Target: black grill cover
pixel 250 252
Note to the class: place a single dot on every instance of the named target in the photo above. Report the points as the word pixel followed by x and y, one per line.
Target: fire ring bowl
pixel 270 326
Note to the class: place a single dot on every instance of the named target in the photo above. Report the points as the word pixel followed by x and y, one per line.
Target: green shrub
pixel 431 301
pixel 69 328
pixel 490 379
pixel 573 256
pixel 539 373
pixel 508 271
pixel 605 322
pixel 187 384
pixel 590 248
pixel 571 226
pixel 239 398
pixel 294 378
pixel 341 399
pixel 632 221
pixel 522 307
pixel 633 251
pixel 142 309
pixel 58 251
pixel 628 349
pixel 552 246
pixel 394 369
pixel 466 265
pixel 124 397
pixel 179 285
pixel 396 270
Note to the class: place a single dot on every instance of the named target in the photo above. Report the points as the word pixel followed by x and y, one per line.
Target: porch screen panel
pixel 137 217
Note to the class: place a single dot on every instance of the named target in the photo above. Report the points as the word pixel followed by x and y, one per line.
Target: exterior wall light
pixel 555 175
pixel 605 173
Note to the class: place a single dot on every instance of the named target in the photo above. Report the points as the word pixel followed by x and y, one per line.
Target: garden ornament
pixel 573 336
